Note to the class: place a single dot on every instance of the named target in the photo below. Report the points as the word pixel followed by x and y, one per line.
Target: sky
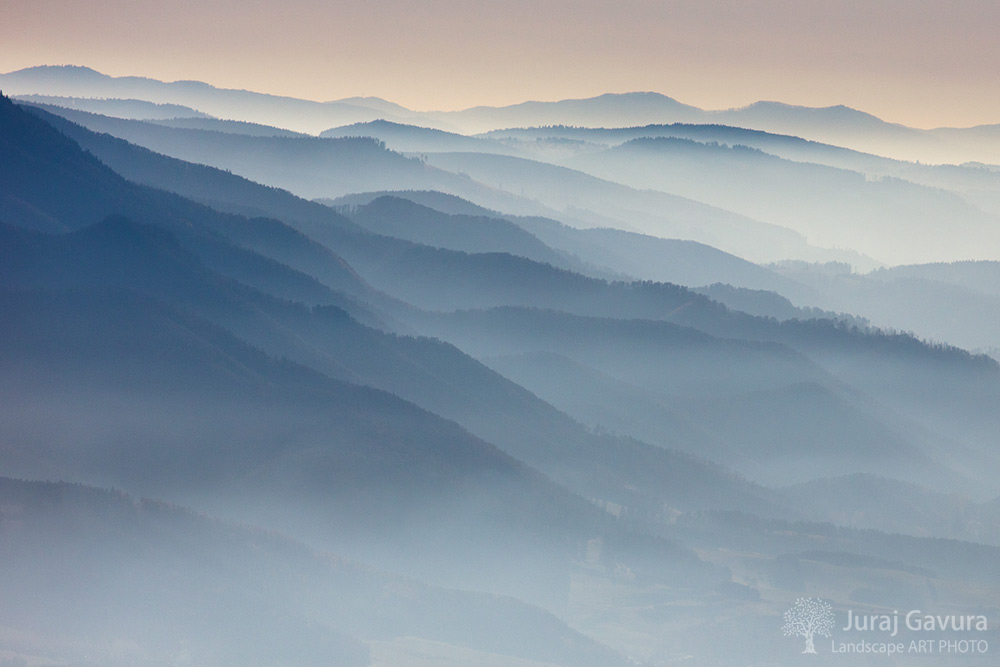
pixel 917 62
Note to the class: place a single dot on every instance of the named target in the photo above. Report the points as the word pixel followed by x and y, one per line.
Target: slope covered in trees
pixel 451 396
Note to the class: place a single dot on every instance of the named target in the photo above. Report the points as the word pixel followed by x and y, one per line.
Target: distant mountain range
pixel 329 168
pixel 837 124
pixel 819 202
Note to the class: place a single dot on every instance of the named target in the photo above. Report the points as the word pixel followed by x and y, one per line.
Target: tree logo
pixel 808 617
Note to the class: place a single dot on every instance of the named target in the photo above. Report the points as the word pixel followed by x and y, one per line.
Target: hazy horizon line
pixel 458 109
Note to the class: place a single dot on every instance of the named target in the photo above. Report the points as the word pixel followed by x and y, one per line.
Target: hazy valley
pixel 593 382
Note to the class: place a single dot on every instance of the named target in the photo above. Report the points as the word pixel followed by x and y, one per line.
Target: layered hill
pixel 452 395
pixel 890 219
pixel 835 124
pixel 121 291
pixel 439 278
pixel 171 584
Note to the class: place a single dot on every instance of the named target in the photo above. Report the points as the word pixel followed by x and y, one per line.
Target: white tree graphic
pixel 808 617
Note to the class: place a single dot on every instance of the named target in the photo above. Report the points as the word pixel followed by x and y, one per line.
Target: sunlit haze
pixel 920 64
pixel 696 359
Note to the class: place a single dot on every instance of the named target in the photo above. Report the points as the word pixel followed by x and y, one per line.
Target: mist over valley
pixel 601 381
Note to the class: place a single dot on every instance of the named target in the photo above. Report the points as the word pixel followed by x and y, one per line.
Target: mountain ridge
pixel 438 400
pixel 892 138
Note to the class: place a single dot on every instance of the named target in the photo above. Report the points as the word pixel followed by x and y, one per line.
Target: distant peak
pixel 647 97
pixel 379 122
pixel 373 103
pixel 57 70
pixel 769 105
pixel 644 94
pixel 836 110
pixel 367 125
pixel 366 100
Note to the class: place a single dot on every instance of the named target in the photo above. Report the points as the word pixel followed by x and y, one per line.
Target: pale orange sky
pixel 918 62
